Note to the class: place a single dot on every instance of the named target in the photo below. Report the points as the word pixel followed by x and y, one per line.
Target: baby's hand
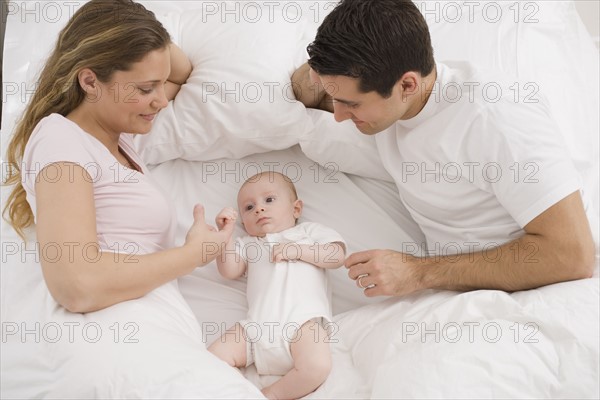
pixel 286 252
pixel 227 216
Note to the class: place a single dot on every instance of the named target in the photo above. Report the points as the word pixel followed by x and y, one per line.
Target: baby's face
pixel 268 206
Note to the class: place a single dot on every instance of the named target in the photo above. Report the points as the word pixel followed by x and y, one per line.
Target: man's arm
pixel 308 89
pixel 557 246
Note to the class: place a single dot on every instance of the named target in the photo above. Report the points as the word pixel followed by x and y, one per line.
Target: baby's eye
pixel 249 207
pixel 270 199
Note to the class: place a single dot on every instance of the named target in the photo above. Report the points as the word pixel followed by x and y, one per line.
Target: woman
pixel 105 232
pixel 111 72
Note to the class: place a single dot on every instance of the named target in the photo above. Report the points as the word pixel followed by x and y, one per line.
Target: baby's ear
pixel 298 208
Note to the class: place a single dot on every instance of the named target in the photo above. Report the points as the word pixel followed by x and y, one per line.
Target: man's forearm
pixel 525 263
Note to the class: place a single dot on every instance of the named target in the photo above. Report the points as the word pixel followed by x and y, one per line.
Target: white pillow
pixel 341 147
pixel 238 99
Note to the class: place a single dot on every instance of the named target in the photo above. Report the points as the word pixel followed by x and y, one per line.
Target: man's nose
pixel 340 113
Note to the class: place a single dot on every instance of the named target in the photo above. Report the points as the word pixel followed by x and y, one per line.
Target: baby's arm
pixel 328 255
pixel 230 264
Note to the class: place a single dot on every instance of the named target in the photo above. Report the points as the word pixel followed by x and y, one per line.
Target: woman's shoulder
pixel 58 126
pixel 57 119
pixel 56 138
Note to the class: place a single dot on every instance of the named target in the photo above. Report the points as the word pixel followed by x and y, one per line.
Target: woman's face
pixel 130 101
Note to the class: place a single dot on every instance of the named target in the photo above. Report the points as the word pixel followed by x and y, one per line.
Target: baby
pixel 288 303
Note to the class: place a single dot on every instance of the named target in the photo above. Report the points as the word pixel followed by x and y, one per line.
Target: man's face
pixel 370 112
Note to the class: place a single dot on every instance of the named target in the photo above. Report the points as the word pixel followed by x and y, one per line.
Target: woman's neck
pixel 91 124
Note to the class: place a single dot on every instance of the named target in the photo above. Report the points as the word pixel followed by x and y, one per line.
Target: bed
pixel 236 116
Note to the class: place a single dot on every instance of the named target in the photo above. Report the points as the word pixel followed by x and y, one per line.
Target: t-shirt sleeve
pixel 322 234
pixel 525 162
pixel 53 140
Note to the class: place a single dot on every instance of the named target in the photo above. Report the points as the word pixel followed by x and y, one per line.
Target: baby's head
pixel 268 203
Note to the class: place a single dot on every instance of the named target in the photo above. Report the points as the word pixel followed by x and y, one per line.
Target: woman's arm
pixel 78 275
pixel 181 68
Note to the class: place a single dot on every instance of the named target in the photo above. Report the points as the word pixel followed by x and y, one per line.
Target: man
pixel 487 181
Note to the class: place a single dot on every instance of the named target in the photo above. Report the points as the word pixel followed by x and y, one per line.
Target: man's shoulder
pixel 461 82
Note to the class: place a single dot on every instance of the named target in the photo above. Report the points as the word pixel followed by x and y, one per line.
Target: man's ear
pixel 409 83
pixel 298 208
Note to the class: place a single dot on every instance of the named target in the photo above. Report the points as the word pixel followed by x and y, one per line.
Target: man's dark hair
pixel 376 41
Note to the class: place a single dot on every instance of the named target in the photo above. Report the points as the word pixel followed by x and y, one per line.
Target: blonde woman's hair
pixel 103 35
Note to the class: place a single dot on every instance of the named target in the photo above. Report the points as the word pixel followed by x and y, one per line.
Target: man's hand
pixel 308 89
pixel 385 272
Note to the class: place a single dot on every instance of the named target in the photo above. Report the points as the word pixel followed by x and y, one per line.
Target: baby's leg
pixel 231 347
pixel 312 363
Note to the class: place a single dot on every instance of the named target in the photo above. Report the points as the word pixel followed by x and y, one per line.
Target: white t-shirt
pixel 289 291
pixel 132 214
pixel 477 163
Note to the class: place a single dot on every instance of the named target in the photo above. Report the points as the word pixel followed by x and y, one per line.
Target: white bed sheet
pixel 434 344
pixel 482 344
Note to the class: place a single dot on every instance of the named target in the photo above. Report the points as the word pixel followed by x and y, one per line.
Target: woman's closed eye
pixel 145 90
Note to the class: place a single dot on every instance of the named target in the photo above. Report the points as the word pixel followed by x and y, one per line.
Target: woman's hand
pixel 205 239
pixel 181 68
